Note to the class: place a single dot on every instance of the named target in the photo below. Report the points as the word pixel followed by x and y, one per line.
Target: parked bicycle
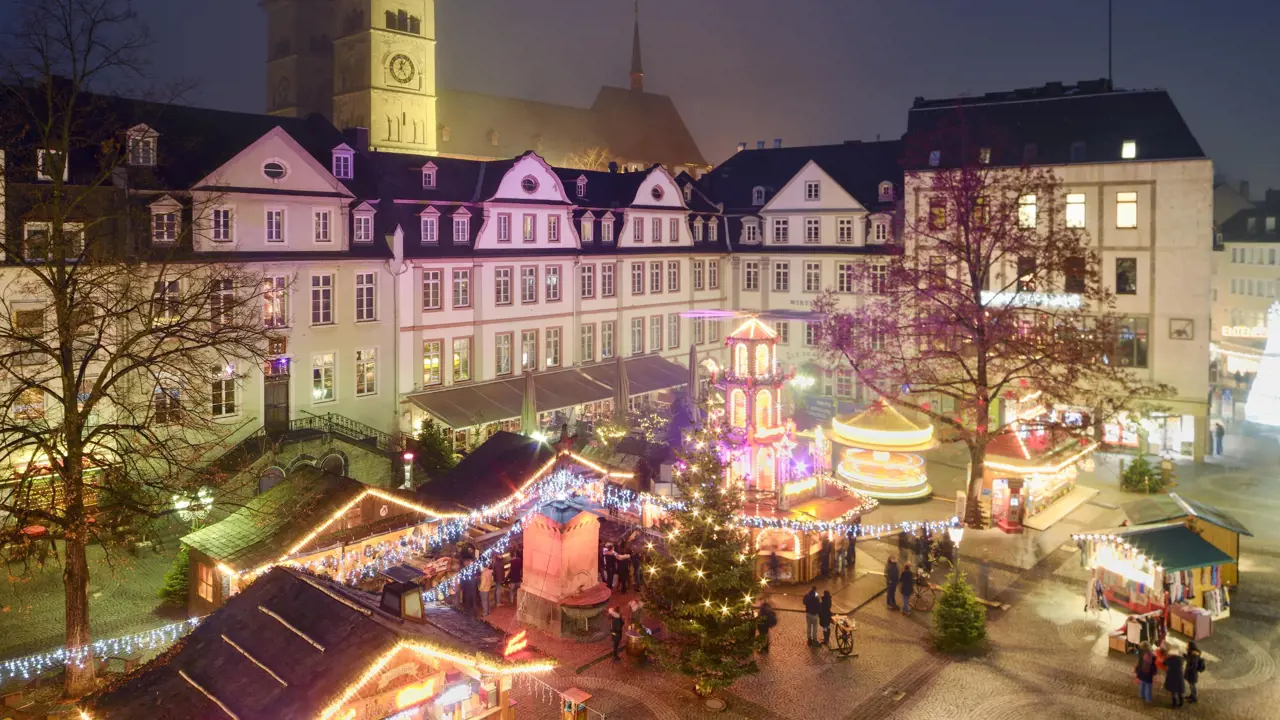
pixel 924 595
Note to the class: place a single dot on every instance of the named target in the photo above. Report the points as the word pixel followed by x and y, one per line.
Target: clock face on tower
pixel 401 67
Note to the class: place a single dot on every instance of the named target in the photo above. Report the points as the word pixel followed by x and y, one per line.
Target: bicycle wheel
pixel 922 598
pixel 844 641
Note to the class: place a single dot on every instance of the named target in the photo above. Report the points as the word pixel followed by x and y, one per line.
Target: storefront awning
pixel 1172 546
pixel 482 403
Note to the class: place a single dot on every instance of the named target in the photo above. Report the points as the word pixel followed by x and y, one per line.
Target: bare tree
pixel 118 349
pixel 997 296
pixel 590 158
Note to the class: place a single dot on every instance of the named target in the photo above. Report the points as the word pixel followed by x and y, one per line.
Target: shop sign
pixel 1054 301
pixel 1244 331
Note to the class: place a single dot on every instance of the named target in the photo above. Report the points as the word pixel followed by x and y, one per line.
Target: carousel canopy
pixel 1039 450
pixel 881 427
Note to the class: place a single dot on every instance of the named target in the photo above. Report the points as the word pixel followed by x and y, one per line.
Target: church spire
pixel 637 70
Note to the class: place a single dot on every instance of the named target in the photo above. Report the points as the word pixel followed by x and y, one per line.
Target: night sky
pixel 808 71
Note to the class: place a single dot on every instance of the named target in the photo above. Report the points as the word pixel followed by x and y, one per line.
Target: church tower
pixel 384 79
pixel 299 57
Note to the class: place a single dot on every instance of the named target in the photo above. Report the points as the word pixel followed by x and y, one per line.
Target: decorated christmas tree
pixel 702 588
pixel 1263 405
pixel 959 620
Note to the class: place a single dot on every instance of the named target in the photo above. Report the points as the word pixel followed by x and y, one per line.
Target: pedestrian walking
pixel 1145 671
pixel 1218 432
pixel 486 587
pixel 812 605
pixel 920 545
pixel 610 565
pixel 851 550
pixel 906 586
pixel 499 577
pixel 824 559
pixel 515 574
pixel 838 555
pixel 1174 679
pixel 775 566
pixel 891 578
pixel 469 589
pixel 622 561
pixel 615 629
pixel 904 546
pixel 767 618
pixel 1191 671
pixel 824 616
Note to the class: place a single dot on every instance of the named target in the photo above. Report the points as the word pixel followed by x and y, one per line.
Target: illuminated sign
pixel 516 643
pixel 415 694
pixel 1244 331
pixel 1050 301
pixel 455 694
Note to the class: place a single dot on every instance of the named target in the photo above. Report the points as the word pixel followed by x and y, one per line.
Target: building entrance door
pixel 275 392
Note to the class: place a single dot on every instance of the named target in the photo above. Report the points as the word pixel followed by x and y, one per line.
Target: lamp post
pixel 956 532
pixel 408 471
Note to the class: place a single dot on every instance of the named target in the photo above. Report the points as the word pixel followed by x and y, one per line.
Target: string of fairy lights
pixel 33 665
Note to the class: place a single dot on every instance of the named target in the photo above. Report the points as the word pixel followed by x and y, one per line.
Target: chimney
pixel 613 166
pixel 742 146
pixel 403 600
pixel 759 144
pixel 1244 189
pixel 1273 197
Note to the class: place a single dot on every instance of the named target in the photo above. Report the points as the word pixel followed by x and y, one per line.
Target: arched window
pixel 764 410
pixel 762 359
pixel 740 358
pixel 886 191
pixel 738 408
pixel 757 195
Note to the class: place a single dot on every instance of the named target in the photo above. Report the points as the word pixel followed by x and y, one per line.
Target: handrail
pixel 348 428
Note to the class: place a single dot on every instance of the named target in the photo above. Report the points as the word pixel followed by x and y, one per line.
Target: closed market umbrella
pixel 529 411
pixel 621 393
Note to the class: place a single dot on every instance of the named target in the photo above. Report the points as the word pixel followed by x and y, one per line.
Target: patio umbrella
pixel 693 384
pixel 621 393
pixel 529 412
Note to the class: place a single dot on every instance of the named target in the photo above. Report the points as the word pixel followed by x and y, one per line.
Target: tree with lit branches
pixel 702 588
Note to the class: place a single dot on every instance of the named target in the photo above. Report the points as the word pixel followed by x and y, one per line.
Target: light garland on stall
pixel 31 665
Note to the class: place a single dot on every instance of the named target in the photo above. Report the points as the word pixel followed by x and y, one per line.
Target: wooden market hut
pixel 1028 468
pixel 292 646
pixel 1216 526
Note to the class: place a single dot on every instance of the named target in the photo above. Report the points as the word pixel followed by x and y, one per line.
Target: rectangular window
pixel 366 371
pixel 712 230
pixel 222 300
pixel 322 226
pixel 937 213
pixel 1075 210
pixel 461 289
pixel 321 299
pixel 811 190
pixel 1131 342
pixel 504 227
pixel 204 582
pixel 751 275
pixel 1270 224
pixel 587 343
pixel 1073 282
pixel 655 333
pixel 587 281
pixel 637 336
pixel 844 383
pixel 29 323
pixel 655 277
pixel 222 394
pixel 675 230
pixel 1271 256
pixel 222 224
pixel 322 385
pixel 879 277
pixel 585 229
pixel 811 334
pixel 606 339
pixel 502 353
pixel 698 266
pixel 553 347
pixel 432 291
pixel 750 232
pixel 673 276
pixel 699 331
pixel 881 231
pixel 844 277
pixel 529 284
pixel 36 240
pixel 142 151
pixel 606 230
pixel 606 279
pixel 461 359
pixel 1126 209
pixel 783 331
pixel 461 230
pixel 428 178
pixel 844 230
pixel 275 302
pixel 1129 149
pixel 275 226
pixel 553 228
pixel 697 230
pixel 637 226
pixel 502 286
pixel 166 403
pixel 781 277
pixel 366 297
pixel 1027 211
pixel 812 277
pixel 431 352
pixel 164 227
pixel 529 233
pixel 1126 276
pixel 552 280
pixel 657 230
pixel 781 230
pixel 713 274
pixel 812 231
pixel 430 230
pixel 363 229
pixel 1026 274
pixel 637 278
pixel 528 350
pixel 673 330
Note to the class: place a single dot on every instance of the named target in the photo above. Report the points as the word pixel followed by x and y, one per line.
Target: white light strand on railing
pixel 32 665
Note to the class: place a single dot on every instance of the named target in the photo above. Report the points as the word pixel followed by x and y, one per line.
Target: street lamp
pixel 408 471
pixel 956 532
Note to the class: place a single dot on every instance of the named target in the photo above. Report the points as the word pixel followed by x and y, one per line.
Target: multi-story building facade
pixel 1246 282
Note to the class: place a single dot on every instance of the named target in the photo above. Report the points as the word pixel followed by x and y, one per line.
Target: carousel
pixel 874 452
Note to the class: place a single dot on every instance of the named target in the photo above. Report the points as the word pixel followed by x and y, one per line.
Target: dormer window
pixel 582 186
pixel 142 146
pixel 757 195
pixel 429 176
pixel 1129 149
pixel 656 193
pixel 48 163
pixel 886 191
pixel 935 158
pixel 462 227
pixel 446 134
pixel 362 224
pixel 164 220
pixel 984 156
pixel 343 162
pixel 429 222
pixel 688 193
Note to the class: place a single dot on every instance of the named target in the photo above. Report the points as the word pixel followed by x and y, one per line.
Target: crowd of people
pixel 480 591
pixel 1181 672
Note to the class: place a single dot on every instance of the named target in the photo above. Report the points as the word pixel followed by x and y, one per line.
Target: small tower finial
pixel 637 69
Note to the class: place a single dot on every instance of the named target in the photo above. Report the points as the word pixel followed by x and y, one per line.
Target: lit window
pixel 529 231
pixel 461 359
pixel 223 391
pixel 1129 149
pixel 502 353
pixel 1127 210
pixel 431 350
pixel 1027 211
pixel 275 302
pixel 553 347
pixel 366 371
pixel 984 156
pixel 1075 210
pixel 587 226
pixel 322 385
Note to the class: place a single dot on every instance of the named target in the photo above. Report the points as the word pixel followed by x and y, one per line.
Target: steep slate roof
pixel 1053 117
pixel 645 126
pixel 519 124
pixel 858 167
pixel 491 472
pixel 1236 229
pixel 346 623
pixel 1172 506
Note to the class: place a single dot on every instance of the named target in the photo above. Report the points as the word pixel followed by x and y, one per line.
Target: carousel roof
pixel 881 427
pixel 753 329
pixel 1039 450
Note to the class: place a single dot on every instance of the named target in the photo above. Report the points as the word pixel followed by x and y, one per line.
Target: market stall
pixel 1029 467
pixel 1165 567
pixel 1210 523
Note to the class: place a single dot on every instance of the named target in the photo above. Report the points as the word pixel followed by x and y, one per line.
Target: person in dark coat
pixel 851 552
pixel 610 565
pixel 775 566
pixel 500 576
pixel 1218 432
pixel 1191 670
pixel 622 561
pixel 812 606
pixel 1174 680
pixel 891 577
pixel 1145 671
pixel 906 586
pixel 904 546
pixel 824 559
pixel 515 574
pixel 615 629
pixel 767 617
pixel 824 616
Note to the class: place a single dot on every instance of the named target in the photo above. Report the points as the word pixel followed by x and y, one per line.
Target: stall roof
pixel 1039 445
pixel 471 405
pixel 491 472
pixel 286 647
pixel 1173 506
pixel 1173 546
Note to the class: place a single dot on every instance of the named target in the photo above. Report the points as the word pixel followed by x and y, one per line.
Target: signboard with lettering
pixel 1245 331
pixel 822 407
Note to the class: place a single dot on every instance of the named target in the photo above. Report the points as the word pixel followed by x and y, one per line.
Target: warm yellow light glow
pixel 892 438
pixel 880 456
pixel 1040 469
pixel 754 323
pixel 795 488
pixel 415 694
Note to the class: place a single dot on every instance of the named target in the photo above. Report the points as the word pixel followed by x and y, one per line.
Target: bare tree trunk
pixel 75 578
pixel 977 460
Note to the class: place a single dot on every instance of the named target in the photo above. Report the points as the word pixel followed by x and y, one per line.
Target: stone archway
pixel 270 478
pixel 335 463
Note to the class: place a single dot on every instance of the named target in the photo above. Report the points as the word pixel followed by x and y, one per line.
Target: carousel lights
pixel 889 438
pixel 30 665
pixel 795 488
